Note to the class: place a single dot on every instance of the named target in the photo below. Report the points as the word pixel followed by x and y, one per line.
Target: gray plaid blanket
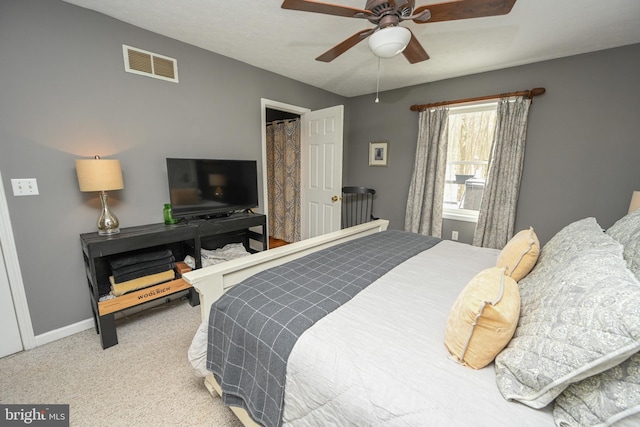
pixel 254 326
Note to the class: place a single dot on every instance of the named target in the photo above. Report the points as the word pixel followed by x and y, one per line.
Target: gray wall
pixel 582 139
pixel 65 95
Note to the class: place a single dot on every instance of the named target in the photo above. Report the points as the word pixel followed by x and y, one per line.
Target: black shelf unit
pixel 183 238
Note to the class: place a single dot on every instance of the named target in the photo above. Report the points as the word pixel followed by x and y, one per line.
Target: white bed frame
pixel 212 282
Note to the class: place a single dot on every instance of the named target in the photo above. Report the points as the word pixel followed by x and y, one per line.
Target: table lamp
pixel 101 175
pixel 218 181
pixel 635 201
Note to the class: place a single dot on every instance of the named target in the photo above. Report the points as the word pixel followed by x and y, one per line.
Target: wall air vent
pixel 149 64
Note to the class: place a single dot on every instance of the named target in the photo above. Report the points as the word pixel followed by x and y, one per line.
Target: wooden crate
pixel 182 267
pixel 141 296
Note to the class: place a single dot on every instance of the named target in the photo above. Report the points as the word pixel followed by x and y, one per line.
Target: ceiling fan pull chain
pixel 378 83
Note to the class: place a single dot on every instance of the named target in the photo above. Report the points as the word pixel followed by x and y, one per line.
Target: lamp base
pixel 109 232
pixel 108 223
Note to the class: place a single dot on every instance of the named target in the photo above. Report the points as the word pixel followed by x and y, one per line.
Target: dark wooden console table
pixel 183 238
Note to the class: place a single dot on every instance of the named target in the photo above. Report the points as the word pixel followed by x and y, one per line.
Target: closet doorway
pixel 274 111
pixel 321 139
pixel 283 149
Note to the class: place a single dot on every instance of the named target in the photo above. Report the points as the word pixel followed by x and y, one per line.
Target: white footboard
pixel 242 415
pixel 211 282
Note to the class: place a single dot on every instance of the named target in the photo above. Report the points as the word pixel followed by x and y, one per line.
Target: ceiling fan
pixel 388 38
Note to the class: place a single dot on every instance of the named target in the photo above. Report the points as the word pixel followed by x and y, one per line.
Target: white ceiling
pixel 260 33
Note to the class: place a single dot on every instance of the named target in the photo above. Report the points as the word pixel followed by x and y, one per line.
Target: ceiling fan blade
pixel 466 9
pixel 326 8
pixel 344 46
pixel 414 52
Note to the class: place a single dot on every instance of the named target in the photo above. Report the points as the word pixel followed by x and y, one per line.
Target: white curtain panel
pixel 426 190
pixel 497 216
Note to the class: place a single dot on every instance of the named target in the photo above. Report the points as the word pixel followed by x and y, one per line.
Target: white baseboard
pixel 83 325
pixel 64 332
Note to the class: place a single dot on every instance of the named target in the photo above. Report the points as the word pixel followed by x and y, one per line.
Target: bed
pixel 413 346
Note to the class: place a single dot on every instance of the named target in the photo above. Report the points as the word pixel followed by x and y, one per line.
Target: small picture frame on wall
pixel 378 153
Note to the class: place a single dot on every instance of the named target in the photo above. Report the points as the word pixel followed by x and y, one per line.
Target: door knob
pixel 336 198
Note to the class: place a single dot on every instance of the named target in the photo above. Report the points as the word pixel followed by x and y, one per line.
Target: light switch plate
pixel 25 187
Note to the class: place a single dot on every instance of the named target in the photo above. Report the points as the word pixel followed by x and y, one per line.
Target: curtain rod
pixel 528 93
pixel 275 122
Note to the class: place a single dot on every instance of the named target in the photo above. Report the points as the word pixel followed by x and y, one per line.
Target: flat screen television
pixel 209 188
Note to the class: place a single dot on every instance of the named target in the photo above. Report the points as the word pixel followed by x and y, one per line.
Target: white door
pixel 321 150
pixel 10 341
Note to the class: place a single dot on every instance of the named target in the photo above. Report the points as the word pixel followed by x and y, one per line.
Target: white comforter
pixel 380 359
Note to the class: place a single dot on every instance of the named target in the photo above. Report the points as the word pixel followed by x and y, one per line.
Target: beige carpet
pixel 145 380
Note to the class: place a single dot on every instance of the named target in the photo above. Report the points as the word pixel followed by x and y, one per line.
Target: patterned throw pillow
pixel 577 237
pixel 483 318
pixel 627 232
pixel 573 239
pixel 604 399
pixel 580 315
pixel 520 254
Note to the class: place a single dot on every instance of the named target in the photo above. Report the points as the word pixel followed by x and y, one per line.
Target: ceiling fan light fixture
pixel 389 41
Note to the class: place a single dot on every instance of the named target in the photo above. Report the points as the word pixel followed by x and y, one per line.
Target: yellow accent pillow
pixel 520 254
pixel 483 318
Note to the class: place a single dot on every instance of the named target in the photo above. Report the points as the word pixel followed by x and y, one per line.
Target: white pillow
pixel 602 400
pixel 627 231
pixel 578 318
pixel 575 238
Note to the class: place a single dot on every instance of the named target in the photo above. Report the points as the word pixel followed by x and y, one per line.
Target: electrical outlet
pixel 454 235
pixel 25 187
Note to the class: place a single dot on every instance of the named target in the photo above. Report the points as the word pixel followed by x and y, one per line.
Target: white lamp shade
pixel 389 42
pixel 635 201
pixel 99 174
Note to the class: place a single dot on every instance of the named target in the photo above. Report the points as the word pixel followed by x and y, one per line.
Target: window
pixel 471 130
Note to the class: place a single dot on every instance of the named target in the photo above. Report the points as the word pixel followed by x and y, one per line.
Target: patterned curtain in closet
pixel 283 179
